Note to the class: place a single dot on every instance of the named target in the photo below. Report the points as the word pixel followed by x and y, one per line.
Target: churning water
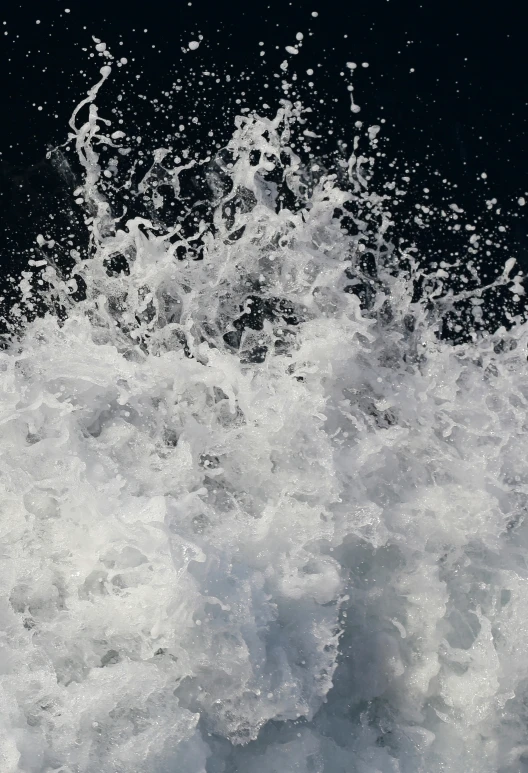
pixel 257 514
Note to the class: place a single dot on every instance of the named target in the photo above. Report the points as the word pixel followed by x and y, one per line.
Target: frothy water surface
pixel 257 515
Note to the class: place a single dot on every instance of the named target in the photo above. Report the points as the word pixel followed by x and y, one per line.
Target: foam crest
pixel 257 515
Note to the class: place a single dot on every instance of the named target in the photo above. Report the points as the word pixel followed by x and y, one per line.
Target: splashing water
pixel 256 514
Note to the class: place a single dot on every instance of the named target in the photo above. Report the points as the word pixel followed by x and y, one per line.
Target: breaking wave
pixel 259 514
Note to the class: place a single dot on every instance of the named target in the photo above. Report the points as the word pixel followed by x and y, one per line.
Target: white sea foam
pixel 256 515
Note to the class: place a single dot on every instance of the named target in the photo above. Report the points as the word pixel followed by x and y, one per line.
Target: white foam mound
pixel 303 552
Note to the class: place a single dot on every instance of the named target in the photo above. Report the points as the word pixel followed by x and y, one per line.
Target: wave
pixel 258 513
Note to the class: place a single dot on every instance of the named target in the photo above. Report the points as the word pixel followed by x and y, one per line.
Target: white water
pixel 310 558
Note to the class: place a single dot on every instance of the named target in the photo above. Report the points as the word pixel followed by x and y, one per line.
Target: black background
pixel 449 79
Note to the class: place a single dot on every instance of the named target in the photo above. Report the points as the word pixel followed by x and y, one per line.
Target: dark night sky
pixel 449 78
